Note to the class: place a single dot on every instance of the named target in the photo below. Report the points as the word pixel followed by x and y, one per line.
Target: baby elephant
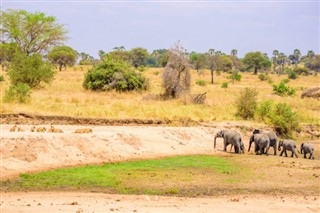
pixel 289 145
pixel 307 148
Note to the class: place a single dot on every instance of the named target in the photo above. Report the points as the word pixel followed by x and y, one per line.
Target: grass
pixel 160 176
pixel 196 175
pixel 65 96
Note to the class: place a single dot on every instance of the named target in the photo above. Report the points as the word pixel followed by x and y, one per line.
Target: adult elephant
pixel 272 137
pixel 261 142
pixel 229 137
pixel 289 145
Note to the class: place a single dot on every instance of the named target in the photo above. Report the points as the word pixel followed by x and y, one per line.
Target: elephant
pixel 272 137
pixel 229 137
pixel 261 142
pixel 241 147
pixel 307 148
pixel 288 145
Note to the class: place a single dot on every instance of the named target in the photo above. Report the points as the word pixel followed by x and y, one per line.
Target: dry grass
pixel 66 96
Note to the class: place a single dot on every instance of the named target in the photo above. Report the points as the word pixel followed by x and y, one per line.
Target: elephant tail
pixel 215 140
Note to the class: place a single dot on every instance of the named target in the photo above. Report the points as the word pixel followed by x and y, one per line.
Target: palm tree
pixel 275 57
pixel 310 54
pixel 211 52
pixel 234 52
pixel 282 59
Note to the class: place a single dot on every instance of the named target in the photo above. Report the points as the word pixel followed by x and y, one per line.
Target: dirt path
pixel 97 202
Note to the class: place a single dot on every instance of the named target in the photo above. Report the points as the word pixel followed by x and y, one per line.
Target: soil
pixel 28 152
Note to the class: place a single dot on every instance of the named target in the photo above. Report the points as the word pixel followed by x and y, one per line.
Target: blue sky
pixel 199 25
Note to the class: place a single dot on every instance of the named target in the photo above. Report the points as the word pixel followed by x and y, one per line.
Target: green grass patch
pixel 169 176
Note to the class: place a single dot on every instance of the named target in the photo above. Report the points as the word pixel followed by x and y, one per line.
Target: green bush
pixel 286 80
pixel 292 74
pixel 117 75
pixel 283 90
pixel 19 92
pixel 263 77
pixel 31 70
pixel 1 78
pixel 224 85
pixel 246 104
pixel 280 116
pixel 235 77
pixel 201 83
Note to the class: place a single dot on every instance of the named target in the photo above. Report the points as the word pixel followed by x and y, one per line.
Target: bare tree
pixel 176 74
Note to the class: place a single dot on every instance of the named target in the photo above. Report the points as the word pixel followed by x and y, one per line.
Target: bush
pixel 292 74
pixel 235 77
pixel 283 90
pixel 302 71
pixel 224 85
pixel 286 80
pixel 19 93
pixel 30 70
pixel 1 78
pixel 201 83
pixel 280 116
pixel 263 77
pixel 246 104
pixel 117 75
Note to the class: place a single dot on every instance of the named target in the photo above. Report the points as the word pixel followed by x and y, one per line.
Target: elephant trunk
pixel 279 146
pixel 250 142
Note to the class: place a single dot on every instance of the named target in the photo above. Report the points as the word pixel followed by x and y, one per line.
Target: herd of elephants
pixel 263 140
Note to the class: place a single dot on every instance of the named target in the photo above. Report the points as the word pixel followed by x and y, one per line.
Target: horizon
pixel 246 26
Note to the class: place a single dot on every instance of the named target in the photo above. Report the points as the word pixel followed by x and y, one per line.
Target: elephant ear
pixel 256 131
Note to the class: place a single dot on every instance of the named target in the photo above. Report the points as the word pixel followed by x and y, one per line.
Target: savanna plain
pixel 170 165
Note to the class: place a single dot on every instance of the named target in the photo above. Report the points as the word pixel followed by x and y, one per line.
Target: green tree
pixel 274 59
pixel 314 63
pixel 7 52
pixel 30 70
pixel 223 63
pixel 63 56
pixel 86 59
pixel 198 60
pixel 295 57
pixel 138 56
pixel 234 52
pixel 32 32
pixel 256 61
pixel 120 55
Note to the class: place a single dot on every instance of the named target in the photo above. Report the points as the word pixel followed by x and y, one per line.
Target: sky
pixel 261 25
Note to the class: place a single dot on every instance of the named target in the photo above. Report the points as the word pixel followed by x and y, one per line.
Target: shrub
pixel 246 104
pixel 286 80
pixel 235 77
pixel 283 90
pixel 224 85
pixel 31 70
pixel 19 92
pixel 116 75
pixel 292 74
pixel 302 71
pixel 201 83
pixel 1 78
pixel 280 116
pixel 263 77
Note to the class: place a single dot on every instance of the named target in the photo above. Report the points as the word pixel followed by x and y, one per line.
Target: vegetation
pixel 256 61
pixel 114 75
pixel 246 104
pixel 19 92
pixel 263 77
pixel 63 56
pixel 283 90
pixel 30 70
pixel 280 116
pixel 224 85
pixel 31 32
pixel 176 74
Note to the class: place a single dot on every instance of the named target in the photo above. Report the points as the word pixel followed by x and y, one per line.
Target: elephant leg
pixel 292 153
pixel 267 150
pixel 231 147
pixel 312 156
pixel 304 154
pixel 295 153
pixel 275 149
pixel 282 152
pixel 225 147
pixel 285 152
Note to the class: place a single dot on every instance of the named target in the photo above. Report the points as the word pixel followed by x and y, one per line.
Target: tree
pixel 176 74
pixel 295 57
pixel 198 60
pixel 275 54
pixel 30 70
pixel 120 55
pixel 310 54
pixel 256 61
pixel 63 56
pixel 101 54
pixel 32 32
pixel 234 52
pixel 223 63
pixel 161 57
pixel 282 61
pixel 7 52
pixel 314 64
pixel 86 59
pixel 138 56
